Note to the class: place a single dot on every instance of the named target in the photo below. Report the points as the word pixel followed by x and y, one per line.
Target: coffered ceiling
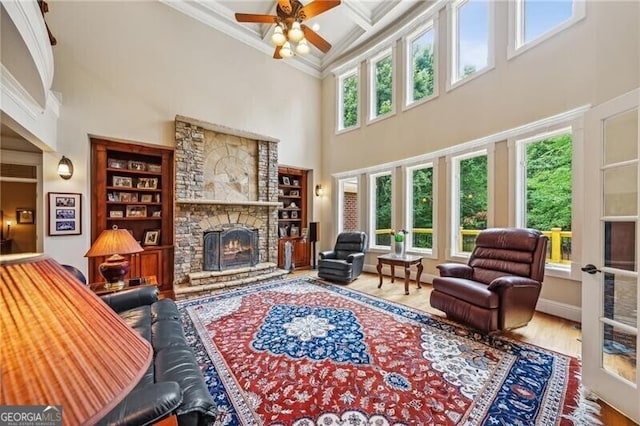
pixel 348 27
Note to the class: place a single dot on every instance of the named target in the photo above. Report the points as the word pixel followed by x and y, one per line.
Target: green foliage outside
pixel 422 69
pixel 549 183
pixel 383 208
pixel 467 70
pixel 473 193
pixel 423 206
pixel 350 101
pixel 384 86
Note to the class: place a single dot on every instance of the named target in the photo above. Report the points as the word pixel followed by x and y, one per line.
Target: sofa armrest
pixel 354 257
pixel 327 254
pixel 511 281
pixel 457 270
pixel 145 405
pixel 129 299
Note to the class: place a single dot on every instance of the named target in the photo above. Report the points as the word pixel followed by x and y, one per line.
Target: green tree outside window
pixel 383 209
pixel 422 207
pixel 350 101
pixel 384 85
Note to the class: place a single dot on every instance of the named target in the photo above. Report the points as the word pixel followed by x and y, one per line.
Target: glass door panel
pixel 620 134
pixel 619 352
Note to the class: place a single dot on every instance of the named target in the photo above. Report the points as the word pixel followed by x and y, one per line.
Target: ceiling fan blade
pixel 249 17
pixel 313 38
pixel 276 53
pixel 285 6
pixel 316 8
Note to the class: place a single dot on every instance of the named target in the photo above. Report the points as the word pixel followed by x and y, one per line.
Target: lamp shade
pixel 61 345
pixel 114 241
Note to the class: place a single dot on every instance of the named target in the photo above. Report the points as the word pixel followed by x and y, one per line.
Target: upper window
pixel 348 100
pixel 420 56
pixel 544 190
pixel 537 20
pixel 470 200
pixel 381 78
pixel 420 184
pixel 381 209
pixel 471 38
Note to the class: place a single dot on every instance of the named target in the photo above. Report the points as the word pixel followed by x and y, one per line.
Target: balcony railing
pixel 558 249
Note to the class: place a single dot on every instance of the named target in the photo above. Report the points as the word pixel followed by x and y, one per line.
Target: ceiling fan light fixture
pixel 295 33
pixel 303 47
pixel 278 38
pixel 286 51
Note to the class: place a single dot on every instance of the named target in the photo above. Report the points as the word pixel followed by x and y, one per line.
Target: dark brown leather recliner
pixel 498 289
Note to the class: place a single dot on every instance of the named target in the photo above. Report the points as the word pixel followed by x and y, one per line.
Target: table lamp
pixel 114 243
pixel 61 345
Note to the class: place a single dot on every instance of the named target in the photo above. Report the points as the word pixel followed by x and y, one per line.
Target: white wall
pixel 125 69
pixel 595 60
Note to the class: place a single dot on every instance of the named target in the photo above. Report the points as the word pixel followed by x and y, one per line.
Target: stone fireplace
pixel 229 248
pixel 226 207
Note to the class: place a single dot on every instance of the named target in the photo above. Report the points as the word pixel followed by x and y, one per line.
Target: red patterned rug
pixel 300 352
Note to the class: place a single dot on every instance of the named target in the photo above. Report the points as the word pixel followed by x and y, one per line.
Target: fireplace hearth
pixel 230 248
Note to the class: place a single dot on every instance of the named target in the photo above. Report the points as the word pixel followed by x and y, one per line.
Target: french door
pixel 610 251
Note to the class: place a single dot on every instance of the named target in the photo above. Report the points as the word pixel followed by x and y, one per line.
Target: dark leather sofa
pixel 345 262
pixel 173 384
pixel 499 288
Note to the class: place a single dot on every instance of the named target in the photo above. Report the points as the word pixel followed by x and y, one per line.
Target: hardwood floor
pixel 544 330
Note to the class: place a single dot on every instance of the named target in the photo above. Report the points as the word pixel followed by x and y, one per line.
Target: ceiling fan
pixel 290 35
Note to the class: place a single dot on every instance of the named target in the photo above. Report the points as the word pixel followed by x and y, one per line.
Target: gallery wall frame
pixel 64 213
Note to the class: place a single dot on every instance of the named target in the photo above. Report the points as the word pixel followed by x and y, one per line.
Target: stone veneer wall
pixel 191 215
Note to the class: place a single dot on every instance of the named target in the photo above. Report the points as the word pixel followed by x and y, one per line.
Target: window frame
pixel 372 207
pixel 371 65
pixel 340 128
pixel 431 253
pixel 516 44
pixel 452 57
pixel 517 188
pixel 430 25
pixel 454 200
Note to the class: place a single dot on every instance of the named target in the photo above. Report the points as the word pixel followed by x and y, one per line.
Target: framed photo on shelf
pixel 151 183
pixel 154 168
pixel 294 193
pixel 151 237
pixel 295 231
pixel 285 180
pixel 294 214
pixel 125 197
pixel 137 165
pixel 123 181
pixel 136 211
pixel 64 213
pixel 25 216
pixel 116 213
pixel 114 163
pixel 146 198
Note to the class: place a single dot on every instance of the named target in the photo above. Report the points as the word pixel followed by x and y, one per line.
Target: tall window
pixel 471 37
pixel 348 99
pixel 420 209
pixel 544 193
pixel 470 203
pixel 420 64
pixel 381 193
pixel 381 77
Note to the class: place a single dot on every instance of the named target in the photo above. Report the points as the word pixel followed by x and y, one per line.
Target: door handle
pixel 590 269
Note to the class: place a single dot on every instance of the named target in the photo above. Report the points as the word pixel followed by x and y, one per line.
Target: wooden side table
pixel 99 288
pixel 405 261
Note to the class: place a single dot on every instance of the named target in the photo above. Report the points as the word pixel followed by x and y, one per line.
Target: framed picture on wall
pixel 64 213
pixel 25 216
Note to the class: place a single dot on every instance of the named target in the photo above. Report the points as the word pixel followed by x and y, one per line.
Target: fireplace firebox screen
pixel 230 248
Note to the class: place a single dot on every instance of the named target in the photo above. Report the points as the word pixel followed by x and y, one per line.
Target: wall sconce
pixel 319 190
pixel 65 168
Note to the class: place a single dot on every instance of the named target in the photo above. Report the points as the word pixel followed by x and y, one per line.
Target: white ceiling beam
pixel 383 9
pixel 359 13
pixel 342 46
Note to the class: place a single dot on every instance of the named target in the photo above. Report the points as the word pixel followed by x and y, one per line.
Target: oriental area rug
pixel 302 352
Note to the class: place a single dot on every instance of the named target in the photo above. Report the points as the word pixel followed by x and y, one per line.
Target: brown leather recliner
pixel 498 289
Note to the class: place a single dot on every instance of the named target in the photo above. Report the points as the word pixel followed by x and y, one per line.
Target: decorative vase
pixel 398 248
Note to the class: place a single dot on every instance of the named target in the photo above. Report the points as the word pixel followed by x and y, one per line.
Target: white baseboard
pixel 558 309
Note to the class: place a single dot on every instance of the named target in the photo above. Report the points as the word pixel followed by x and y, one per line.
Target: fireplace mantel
pixel 229 203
